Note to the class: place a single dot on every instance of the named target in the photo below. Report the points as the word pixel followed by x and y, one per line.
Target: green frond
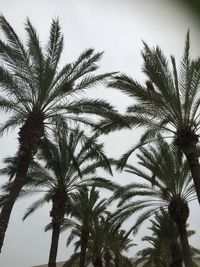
pixel 101 183
pixel 15 51
pixel 97 107
pixel 11 123
pixel 114 123
pixel 127 85
pixel 55 45
pixel 36 205
pixel 35 50
pixel 89 81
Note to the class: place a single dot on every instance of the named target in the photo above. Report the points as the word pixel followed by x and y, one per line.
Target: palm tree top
pixel 169 101
pixel 164 177
pixel 33 84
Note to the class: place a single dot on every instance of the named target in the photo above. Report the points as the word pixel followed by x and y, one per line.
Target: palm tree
pixel 71 162
pixel 38 94
pixel 84 206
pixel 165 183
pixel 168 104
pixel 106 244
pixel 85 209
pixel 155 255
pixel 164 241
pixel 165 247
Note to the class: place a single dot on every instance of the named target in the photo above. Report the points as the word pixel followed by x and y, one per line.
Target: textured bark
pixel 179 212
pixel 187 142
pixel 84 242
pixel 10 201
pixel 97 262
pixel 29 137
pixel 176 256
pixel 54 245
pixel 185 245
pixel 116 260
pixel 57 213
pixel 191 154
pixel 107 258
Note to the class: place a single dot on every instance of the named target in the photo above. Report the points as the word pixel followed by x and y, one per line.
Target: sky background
pixel 118 28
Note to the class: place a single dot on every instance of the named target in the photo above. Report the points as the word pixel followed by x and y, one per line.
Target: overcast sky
pixel 118 28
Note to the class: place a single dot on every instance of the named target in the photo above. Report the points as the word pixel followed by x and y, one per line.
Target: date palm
pixel 165 245
pixel 169 103
pixel 71 161
pixel 38 94
pixel 107 242
pixel 84 207
pixel 165 182
pixel 165 249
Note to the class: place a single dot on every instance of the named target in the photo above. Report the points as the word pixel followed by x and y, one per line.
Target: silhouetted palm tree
pixel 106 244
pixel 169 104
pixel 38 94
pixel 71 161
pixel 85 207
pixel 165 183
pixel 165 249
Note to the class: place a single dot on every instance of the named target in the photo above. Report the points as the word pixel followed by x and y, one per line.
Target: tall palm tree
pixel 39 94
pixel 165 183
pixel 168 104
pixel 72 160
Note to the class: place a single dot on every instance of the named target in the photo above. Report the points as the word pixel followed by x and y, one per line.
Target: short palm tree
pixel 84 207
pixel 154 255
pixel 165 249
pixel 71 161
pixel 38 94
pixel 106 244
pixel 169 104
pixel 165 183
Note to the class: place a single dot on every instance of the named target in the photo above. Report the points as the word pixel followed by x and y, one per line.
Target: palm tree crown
pixel 167 184
pixel 34 85
pixel 168 104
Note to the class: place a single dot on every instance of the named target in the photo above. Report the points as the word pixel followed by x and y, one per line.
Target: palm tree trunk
pixel 29 137
pixel 116 260
pixel 176 256
pixel 191 154
pixel 98 262
pixel 12 197
pixel 187 258
pixel 54 244
pixel 107 258
pixel 84 241
pixel 57 213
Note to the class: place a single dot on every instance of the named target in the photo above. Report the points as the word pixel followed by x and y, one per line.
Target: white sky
pixel 118 28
